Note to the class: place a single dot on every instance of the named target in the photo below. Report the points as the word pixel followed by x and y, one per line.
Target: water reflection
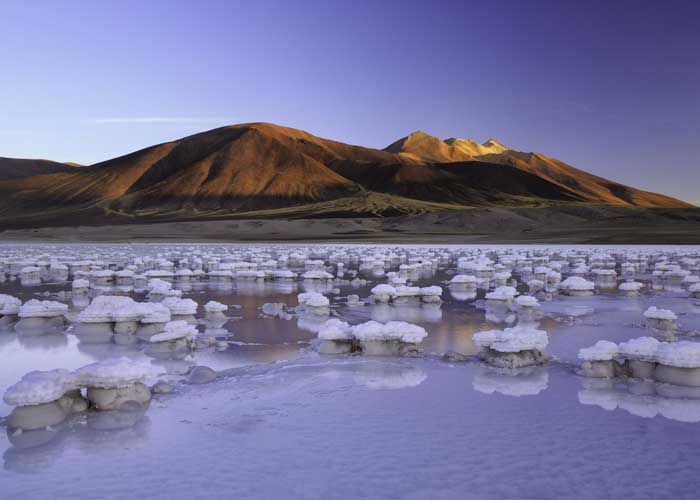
pixel 34 451
pixel 528 381
pixel 643 399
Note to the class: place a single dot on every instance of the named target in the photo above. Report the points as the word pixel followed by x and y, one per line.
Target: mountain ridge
pixel 261 167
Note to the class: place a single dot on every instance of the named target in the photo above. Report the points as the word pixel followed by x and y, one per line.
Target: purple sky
pixel 612 87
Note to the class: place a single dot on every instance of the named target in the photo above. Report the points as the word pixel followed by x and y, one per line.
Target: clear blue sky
pixel 612 87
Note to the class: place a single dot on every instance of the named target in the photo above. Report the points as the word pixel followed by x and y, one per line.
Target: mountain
pixel 474 149
pixel 261 169
pixel 588 187
pixel 13 168
pixel 422 147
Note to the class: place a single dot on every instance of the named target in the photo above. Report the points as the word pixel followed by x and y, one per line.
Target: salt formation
pixel 515 347
pixel 154 318
pixel 394 338
pixel 314 302
pixel 181 309
pixel 660 319
pixel 502 293
pixel 390 339
pixel 576 286
pixel 99 315
pixel 645 358
pixel 383 293
pixel 215 310
pixel 43 399
pixel 178 333
pixel 159 289
pixel 9 305
pixel 527 301
pixel 336 337
pixel 678 363
pixel 464 281
pixel 40 316
pixel 80 286
pixel 640 354
pixel 403 294
pixel 317 274
pixel 599 360
pixel 631 288
pixel 115 384
pixel 42 309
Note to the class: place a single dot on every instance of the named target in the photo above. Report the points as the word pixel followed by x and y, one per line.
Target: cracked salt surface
pixel 282 421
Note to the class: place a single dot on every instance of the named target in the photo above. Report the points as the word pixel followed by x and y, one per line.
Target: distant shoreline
pixel 548 225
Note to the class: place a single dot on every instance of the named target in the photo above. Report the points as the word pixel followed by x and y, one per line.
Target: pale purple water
pixel 284 422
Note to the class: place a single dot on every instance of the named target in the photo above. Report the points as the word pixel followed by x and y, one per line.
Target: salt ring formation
pixel 107 337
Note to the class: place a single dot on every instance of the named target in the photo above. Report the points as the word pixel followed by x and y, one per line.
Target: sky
pixel 610 87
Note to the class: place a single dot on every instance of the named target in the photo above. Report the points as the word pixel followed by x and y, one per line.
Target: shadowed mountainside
pixel 13 168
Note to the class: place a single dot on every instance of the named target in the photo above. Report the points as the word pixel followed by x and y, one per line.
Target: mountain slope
pixel 232 167
pixel 422 147
pixel 266 168
pixel 14 168
pixel 588 187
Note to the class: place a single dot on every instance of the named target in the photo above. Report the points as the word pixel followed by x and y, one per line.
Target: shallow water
pixel 283 421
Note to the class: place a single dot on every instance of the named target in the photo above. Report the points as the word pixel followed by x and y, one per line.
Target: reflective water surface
pixel 285 422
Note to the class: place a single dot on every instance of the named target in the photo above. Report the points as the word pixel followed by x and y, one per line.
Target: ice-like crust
pixel 516 339
pixel 335 329
pixel 215 307
pixel 180 307
pixel 662 314
pixel 175 330
pixel 103 307
pixel 313 299
pixel 317 274
pixel 9 305
pixel 155 313
pixel 38 387
pixel 502 293
pixel 159 287
pixel 602 350
pixel 392 330
pixel 113 373
pixel 681 354
pixel 431 291
pixel 642 348
pixel 80 284
pixel 383 292
pixel 42 309
pixel 527 301
pixel 631 286
pixel 576 283
pixel 407 291
pixel 464 279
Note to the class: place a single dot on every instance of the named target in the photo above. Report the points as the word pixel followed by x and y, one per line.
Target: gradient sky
pixel 612 87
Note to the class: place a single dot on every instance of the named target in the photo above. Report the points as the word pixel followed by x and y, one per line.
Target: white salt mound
pixel 602 350
pixel 664 314
pixel 113 373
pixel 39 387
